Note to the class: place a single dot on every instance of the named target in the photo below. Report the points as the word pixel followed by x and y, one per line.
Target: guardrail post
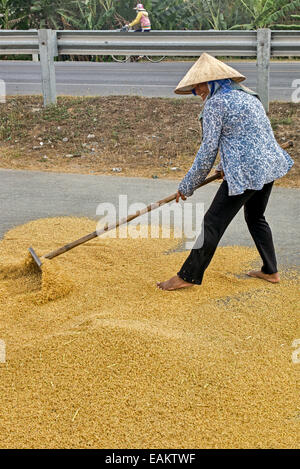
pixel 263 65
pixel 48 49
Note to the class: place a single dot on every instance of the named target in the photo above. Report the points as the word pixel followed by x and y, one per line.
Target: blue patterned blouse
pixel 235 123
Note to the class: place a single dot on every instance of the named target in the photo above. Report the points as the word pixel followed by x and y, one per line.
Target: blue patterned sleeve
pixel 205 158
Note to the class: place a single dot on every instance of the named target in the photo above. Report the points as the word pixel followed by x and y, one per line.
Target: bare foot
pixel 173 283
pixel 273 278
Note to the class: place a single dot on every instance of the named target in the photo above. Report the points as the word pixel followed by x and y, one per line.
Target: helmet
pixel 139 6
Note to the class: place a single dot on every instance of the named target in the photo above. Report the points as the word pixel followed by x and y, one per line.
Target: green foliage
pixel 13 14
pixel 93 14
pixel 164 14
pixel 195 14
pixel 49 13
pixel 267 13
pixel 286 26
pixel 168 14
pixel 217 13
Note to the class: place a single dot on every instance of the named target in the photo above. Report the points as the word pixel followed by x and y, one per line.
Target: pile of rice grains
pixel 97 357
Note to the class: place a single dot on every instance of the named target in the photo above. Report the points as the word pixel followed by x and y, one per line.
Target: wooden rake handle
pixel 150 207
pixel 147 209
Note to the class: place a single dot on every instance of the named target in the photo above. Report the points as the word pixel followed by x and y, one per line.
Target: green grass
pixel 283 121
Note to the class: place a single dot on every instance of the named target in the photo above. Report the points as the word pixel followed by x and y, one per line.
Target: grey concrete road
pixel 30 195
pixel 144 79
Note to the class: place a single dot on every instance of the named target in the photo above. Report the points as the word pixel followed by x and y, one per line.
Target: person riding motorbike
pixel 142 18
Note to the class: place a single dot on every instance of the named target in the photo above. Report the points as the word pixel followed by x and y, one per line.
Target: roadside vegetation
pixel 165 14
pixel 132 136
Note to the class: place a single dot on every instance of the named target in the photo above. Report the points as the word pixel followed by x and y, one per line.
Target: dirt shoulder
pixel 130 136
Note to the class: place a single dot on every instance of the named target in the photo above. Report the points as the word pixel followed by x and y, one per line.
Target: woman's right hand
pixel 180 195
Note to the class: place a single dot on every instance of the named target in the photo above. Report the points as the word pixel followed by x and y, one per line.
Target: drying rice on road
pixel 97 357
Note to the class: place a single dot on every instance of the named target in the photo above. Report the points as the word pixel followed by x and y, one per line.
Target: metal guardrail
pixel 170 43
pixel 285 43
pixel 262 43
pixel 19 42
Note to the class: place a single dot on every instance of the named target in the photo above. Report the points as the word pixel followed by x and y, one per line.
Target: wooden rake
pixel 95 234
pixel 147 209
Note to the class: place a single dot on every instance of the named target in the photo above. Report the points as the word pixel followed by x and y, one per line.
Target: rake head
pixel 35 257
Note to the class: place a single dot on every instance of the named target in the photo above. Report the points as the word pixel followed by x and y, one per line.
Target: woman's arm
pixel 137 19
pixel 205 158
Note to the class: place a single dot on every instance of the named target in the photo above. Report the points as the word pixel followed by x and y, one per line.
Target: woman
pixel 234 122
pixel 142 18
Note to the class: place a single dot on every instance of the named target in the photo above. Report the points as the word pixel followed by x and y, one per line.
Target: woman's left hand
pixel 180 195
pixel 221 173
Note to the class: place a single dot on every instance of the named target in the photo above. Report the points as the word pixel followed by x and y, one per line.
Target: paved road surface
pixel 145 79
pixel 29 195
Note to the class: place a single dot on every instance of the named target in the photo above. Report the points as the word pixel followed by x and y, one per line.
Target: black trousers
pixel 221 212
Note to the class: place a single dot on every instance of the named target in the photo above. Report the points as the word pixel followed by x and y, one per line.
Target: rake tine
pixel 35 257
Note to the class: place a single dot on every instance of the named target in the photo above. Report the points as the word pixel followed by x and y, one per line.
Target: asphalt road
pixel 144 79
pixel 30 195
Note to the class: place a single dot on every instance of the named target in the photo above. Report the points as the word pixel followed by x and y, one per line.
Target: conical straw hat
pixel 206 68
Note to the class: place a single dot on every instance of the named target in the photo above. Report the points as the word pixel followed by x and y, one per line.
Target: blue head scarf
pixel 225 86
